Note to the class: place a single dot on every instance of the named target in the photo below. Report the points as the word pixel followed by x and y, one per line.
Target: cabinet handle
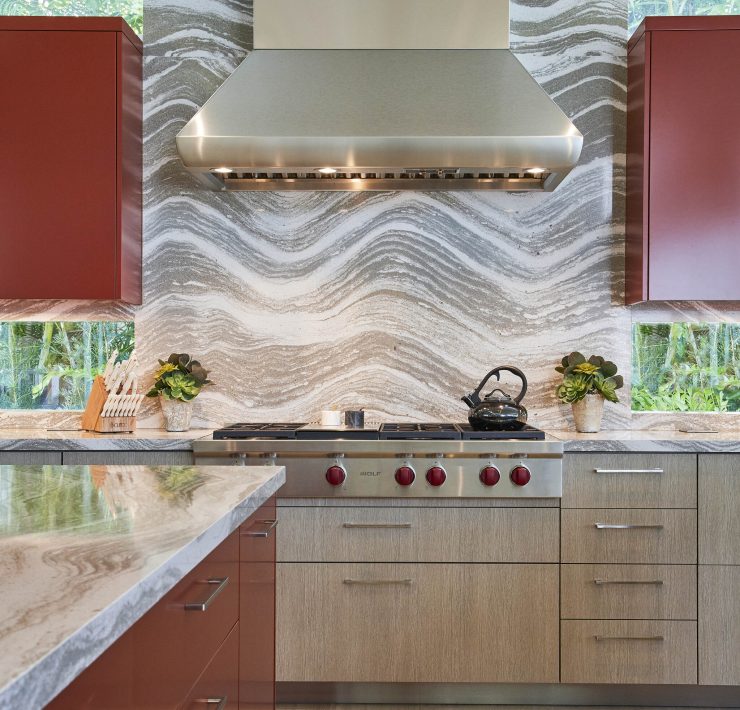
pixel 598 637
pixel 220 585
pixel 656 582
pixel 628 470
pixel 220 703
pixel 271 525
pixel 626 526
pixel 375 582
pixel 377 525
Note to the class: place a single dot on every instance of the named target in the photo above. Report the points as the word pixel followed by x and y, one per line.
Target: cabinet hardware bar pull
pixel 203 606
pixel 625 526
pixel 628 470
pixel 271 525
pixel 656 582
pixel 629 638
pixel 373 582
pixel 376 525
pixel 220 703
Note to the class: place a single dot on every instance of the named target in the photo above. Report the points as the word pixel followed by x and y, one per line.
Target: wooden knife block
pixel 91 419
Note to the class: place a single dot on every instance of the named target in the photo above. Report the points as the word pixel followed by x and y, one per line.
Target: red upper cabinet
pixel 683 160
pixel 70 158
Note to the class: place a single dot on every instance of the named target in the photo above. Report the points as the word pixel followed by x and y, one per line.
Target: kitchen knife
pixel 109 367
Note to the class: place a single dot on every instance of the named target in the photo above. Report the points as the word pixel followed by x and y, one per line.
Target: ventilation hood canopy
pixel 322 104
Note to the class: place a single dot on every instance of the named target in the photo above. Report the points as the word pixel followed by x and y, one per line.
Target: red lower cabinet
pixel 257 610
pixel 218 686
pixel 208 643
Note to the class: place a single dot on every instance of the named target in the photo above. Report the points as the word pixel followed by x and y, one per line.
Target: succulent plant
pixel 582 377
pixel 179 377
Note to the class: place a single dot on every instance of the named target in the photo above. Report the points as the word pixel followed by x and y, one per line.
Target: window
pixel 131 10
pixel 51 365
pixel 637 9
pixel 686 367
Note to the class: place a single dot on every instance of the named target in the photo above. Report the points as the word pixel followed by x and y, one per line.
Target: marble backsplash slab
pixel 397 302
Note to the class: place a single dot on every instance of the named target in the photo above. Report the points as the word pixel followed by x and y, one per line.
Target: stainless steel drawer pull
pixel 388 526
pixel 271 525
pixel 626 526
pixel 629 638
pixel 220 703
pixel 220 585
pixel 656 582
pixel 628 470
pixel 376 582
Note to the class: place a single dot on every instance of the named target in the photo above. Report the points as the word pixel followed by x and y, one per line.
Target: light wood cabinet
pixel 719 509
pixel 629 481
pixel 629 652
pixel 627 591
pixel 127 458
pixel 719 625
pixel 31 458
pixel 348 622
pixel 629 536
pixel 355 534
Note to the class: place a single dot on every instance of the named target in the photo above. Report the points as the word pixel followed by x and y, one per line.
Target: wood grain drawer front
pixel 417 623
pixel 628 592
pixel 629 481
pixel 258 534
pixel 628 652
pixel 719 503
pixel 179 642
pixel 218 685
pixel 719 625
pixel 355 534
pixel 629 536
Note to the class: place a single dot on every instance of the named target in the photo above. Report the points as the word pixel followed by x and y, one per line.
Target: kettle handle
pixel 473 399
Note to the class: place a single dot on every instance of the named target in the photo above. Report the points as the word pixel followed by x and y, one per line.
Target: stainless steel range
pixel 395 460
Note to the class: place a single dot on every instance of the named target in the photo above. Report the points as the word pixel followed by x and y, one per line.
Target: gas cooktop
pixel 435 431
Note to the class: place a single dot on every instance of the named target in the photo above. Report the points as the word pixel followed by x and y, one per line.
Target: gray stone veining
pixel 397 302
pixel 86 551
pixel 31 439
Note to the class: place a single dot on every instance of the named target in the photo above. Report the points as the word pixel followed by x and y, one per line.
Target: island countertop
pixel 86 551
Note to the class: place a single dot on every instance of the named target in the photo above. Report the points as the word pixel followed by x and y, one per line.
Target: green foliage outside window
pixel 637 9
pixel 131 10
pixel 686 367
pixel 51 365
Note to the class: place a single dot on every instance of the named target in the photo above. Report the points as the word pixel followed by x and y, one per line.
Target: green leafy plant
pixel 179 377
pixel 582 377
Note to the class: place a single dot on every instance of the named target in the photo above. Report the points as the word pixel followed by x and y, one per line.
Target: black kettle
pixel 497 413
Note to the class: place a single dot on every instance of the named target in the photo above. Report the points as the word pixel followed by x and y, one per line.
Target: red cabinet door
pixel 257 610
pixel 694 165
pixel 70 159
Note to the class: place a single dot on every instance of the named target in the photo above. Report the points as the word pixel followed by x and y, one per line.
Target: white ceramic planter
pixel 176 413
pixel 587 413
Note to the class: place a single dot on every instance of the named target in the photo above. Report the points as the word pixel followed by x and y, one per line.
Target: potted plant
pixel 177 382
pixel 585 386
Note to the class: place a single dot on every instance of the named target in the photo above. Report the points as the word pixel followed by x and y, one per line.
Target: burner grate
pixel 404 430
pixel 526 432
pixel 253 431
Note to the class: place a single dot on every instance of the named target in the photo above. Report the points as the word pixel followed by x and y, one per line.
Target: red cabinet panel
pixel 683 152
pixel 70 164
pixel 257 610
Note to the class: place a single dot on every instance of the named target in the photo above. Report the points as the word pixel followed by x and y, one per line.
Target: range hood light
pixel 327 171
pixel 225 171
pixel 535 171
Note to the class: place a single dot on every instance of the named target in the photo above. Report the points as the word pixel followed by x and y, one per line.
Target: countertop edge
pixel 46 678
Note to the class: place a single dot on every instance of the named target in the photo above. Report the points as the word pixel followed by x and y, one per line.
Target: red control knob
pixel 490 476
pixel 336 475
pixel 520 475
pixel 436 476
pixel 405 476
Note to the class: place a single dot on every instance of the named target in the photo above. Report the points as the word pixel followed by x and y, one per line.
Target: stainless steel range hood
pixel 380 95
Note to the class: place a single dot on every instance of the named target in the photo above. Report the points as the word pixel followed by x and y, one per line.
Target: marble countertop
pixel 86 551
pixel 647 440
pixel 16 439
pixel 650 441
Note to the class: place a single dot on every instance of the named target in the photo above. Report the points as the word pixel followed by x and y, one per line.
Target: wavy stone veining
pixel 651 441
pixel 96 569
pixel 397 302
